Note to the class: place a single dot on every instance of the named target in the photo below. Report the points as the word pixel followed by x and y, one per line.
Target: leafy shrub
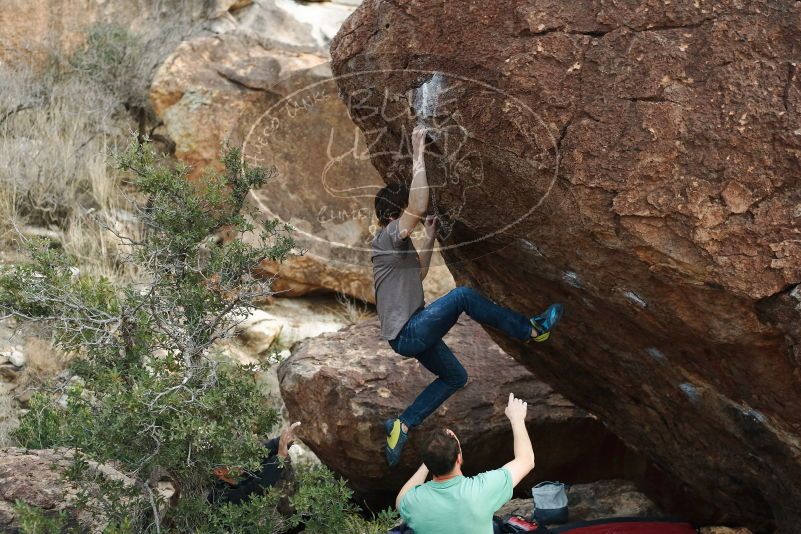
pixel 150 393
pixel 33 520
pixel 43 425
pixel 323 503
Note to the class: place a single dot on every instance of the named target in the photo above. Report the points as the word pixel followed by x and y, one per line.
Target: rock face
pixel 596 500
pixel 282 106
pixel 285 22
pixel 36 477
pixel 29 29
pixel 343 385
pixel 207 83
pixel 284 322
pixel 218 88
pixel 639 162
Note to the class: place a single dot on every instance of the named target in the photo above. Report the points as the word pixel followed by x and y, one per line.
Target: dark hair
pixel 390 202
pixel 441 452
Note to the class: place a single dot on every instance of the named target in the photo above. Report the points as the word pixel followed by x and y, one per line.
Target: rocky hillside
pixel 260 86
pixel 638 162
pixel 198 74
pixel 37 477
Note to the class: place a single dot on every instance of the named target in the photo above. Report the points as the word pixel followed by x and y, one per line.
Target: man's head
pixel 442 453
pixel 390 202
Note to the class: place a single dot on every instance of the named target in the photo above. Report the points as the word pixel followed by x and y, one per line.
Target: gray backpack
pixel 550 503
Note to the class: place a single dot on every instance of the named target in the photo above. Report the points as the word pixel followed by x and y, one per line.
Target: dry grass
pixel 55 173
pixel 44 363
pixel 352 310
pixel 8 419
pixel 59 124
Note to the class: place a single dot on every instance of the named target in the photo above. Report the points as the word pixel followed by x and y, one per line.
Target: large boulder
pixel 282 106
pixel 638 161
pixel 37 478
pixel 214 89
pixel 287 22
pixel 343 385
pixel 596 500
pixel 208 82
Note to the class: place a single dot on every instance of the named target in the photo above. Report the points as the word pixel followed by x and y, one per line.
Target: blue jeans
pixel 421 338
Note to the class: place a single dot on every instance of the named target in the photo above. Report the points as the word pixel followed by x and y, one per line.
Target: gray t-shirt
pixel 398 288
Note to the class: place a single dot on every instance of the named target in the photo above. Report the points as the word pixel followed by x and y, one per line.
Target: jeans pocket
pixel 404 345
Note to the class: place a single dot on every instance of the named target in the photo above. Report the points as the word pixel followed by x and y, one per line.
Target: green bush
pixel 33 520
pixel 110 58
pixel 323 503
pixel 150 393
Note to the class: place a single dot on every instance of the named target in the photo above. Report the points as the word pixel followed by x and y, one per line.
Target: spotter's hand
pixel 516 409
pixel 286 439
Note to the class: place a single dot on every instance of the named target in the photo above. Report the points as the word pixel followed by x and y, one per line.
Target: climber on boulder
pixel 453 503
pixel 413 329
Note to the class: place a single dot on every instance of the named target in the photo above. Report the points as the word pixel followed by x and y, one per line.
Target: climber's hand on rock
pixel 431 226
pixel 516 410
pixel 419 138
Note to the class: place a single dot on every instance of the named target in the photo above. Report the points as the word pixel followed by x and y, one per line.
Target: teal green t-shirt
pixel 460 505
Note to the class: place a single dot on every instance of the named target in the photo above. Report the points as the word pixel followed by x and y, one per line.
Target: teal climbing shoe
pixel 544 323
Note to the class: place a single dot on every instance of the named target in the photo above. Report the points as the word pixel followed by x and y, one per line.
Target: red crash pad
pixel 627 526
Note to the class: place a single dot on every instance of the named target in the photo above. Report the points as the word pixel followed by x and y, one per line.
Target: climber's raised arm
pixel 418 191
pixel 523 462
